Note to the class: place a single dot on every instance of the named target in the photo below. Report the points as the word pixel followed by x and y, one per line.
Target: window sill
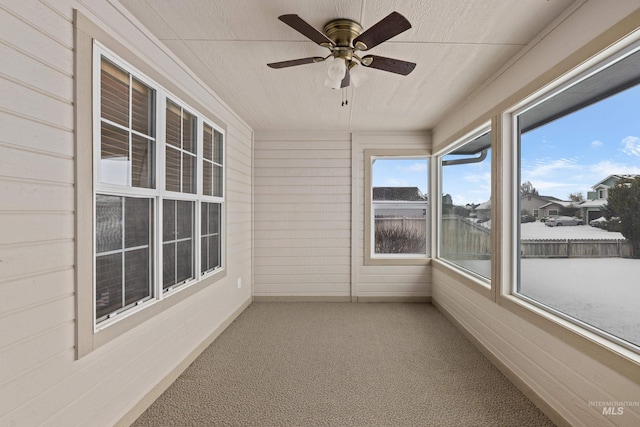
pixel 399 261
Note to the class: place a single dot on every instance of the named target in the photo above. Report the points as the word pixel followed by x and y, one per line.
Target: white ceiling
pixel 457 45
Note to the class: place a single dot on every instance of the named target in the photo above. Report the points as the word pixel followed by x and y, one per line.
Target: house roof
pixel 617 178
pixel 556 202
pixel 412 194
pixel 593 203
pixel 485 205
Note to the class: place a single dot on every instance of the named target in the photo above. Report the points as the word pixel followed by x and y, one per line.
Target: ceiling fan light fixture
pixel 332 83
pixel 357 75
pixel 337 68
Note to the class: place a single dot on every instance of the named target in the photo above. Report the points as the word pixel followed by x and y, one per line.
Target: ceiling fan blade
pixel 389 64
pixel 304 28
pixel 294 62
pixel 382 31
pixel 346 81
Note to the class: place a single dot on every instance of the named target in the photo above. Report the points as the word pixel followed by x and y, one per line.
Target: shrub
pixel 396 240
pixel 624 200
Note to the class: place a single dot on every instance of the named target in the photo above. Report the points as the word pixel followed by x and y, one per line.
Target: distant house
pixel 541 206
pixel 591 208
pixel 399 202
pixel 483 211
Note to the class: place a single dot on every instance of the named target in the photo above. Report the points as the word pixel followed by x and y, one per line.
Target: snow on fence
pixel 464 239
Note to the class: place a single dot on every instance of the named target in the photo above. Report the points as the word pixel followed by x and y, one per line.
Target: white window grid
pixel 158 193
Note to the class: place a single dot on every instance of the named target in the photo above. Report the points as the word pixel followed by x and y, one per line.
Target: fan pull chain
pixel 345 101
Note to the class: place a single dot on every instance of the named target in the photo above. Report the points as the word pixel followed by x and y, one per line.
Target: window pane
pixel 137 222
pixel 188 173
pixel 399 205
pixel 178 248
pixel 137 279
pixel 114 155
pixel 114 94
pixel 108 284
pixel 217 181
pixel 217 147
pixel 189 132
pixel 108 223
pixel 142 108
pixel 210 228
pixel 168 265
pixel 465 237
pixel 174 126
pixel 207 187
pixel 574 159
pixel 168 220
pixel 142 174
pixel 208 142
pixel 172 170
pixel 400 231
pixel 214 252
pixel 185 219
pixel 184 267
pixel 214 218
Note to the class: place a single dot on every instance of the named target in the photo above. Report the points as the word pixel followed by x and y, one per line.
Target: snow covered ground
pixel 537 230
pixel 602 292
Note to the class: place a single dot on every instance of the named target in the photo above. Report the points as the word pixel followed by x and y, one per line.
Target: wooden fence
pixel 464 239
pixel 403 223
pixel 575 248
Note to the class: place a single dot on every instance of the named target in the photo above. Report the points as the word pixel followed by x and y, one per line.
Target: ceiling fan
pixel 345 38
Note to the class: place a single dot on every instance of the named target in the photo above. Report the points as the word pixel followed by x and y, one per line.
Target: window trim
pixel 398 259
pixel 87 338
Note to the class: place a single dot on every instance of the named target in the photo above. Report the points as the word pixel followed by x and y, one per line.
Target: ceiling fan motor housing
pixel 343 32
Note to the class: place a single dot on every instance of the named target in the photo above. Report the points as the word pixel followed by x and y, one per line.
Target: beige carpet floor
pixel 341 364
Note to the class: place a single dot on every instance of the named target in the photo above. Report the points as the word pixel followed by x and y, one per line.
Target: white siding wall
pixel 564 377
pixel 302 203
pixel 305 187
pixel 40 379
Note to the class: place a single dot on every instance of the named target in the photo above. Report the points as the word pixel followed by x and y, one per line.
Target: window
pixel 465 214
pixel 583 136
pixel 553 212
pixel 536 213
pixel 158 192
pixel 211 207
pixel 399 207
pixel 123 253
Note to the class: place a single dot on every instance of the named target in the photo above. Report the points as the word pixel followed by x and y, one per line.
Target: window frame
pixel 394 259
pixel 88 35
pixel 160 194
pixel 483 284
pixel 606 344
